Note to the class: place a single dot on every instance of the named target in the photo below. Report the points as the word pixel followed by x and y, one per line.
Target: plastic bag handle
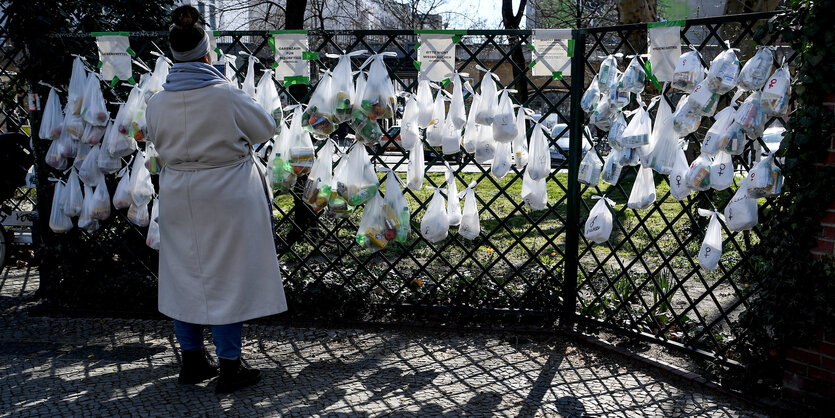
pixel 708 213
pixel 609 201
pixel 50 86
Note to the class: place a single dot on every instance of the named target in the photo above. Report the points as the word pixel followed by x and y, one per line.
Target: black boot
pixel 197 367
pixel 234 375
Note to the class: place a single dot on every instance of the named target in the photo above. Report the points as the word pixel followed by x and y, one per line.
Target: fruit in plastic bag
pixel 679 188
pixel 360 182
pixel 520 143
pixel 501 160
pixel 470 226
pixel 453 208
pixel 54 158
pixel 724 69
pixel 755 72
pixel 396 210
pixel 138 215
pixel 741 213
pixel 486 110
pixel 267 96
pixel 689 72
pixel 765 178
pixel 698 177
pixel 777 92
pixel 612 167
pixel 378 99
pixel 637 132
pixel 141 187
pixel 485 145
pixel 713 140
pixel 457 112
pixel 599 223
pixel 591 96
pixel 750 116
pixel 94 111
pixel 539 162
pixel 721 171
pixel 409 130
pixel 121 197
pixel 319 115
pixel 534 192
pixel 58 221
pixel 642 195
pixel 73 126
pixel 152 239
pixel 423 96
pixel 127 110
pixel 704 99
pixel 342 88
pixel 471 131
pixel 89 171
pixel 711 249
pixel 92 134
pixel 663 154
pixel 300 151
pixel 52 121
pixel 504 122
pixel 590 168
pixel 434 226
pixel 686 118
pixel 415 171
pixel 318 188
pixel 371 232
pixel 101 201
pixel 434 132
pixel 607 76
pixel 75 91
pixel 634 77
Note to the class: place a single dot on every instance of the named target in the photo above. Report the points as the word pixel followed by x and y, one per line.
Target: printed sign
pixel 436 55
pixel 114 55
pixel 664 48
pixel 291 56
pixel 551 52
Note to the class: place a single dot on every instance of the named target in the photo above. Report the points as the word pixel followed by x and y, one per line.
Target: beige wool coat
pixel 217 259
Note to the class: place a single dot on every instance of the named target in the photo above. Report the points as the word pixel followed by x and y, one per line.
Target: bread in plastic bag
pixel 58 221
pixel 434 226
pixel 698 176
pixel 101 201
pixel 435 132
pixel 471 130
pixel 504 121
pixel 318 117
pixel 75 91
pixel 409 129
pixel 73 201
pixel 534 192
pixel 776 93
pixel 453 201
pixel 89 171
pixel 750 116
pixel 371 233
pixel 607 76
pixel 634 77
pixel 755 72
pixel 141 187
pixel 711 250
pixel 485 145
pixel 591 96
pixel 415 170
pixel 714 141
pixel 590 168
pixel 423 96
pixel 638 131
pixel 378 99
pixel 361 182
pixel 642 195
pixel 138 215
pixel 86 220
pixel 53 157
pixel 121 197
pixel 457 111
pixel 598 226
pixel 721 171
pixel 52 120
pixel 299 145
pixel 679 187
pixel 742 212
pixel 396 210
pixel 612 167
pixel 520 143
pixel 664 140
pixel 94 111
pixel 502 160
pixel 486 110
pixel 765 178
pixel 689 72
pixel 686 117
pixel 470 226
pixel 317 190
pixel 152 239
pixel 539 161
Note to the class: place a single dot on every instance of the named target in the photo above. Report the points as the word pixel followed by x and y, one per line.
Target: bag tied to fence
pixel 711 250
pixel 599 224
pixel 470 224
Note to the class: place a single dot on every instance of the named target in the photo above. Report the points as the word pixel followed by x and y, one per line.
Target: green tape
pixel 533 62
pixel 570 51
pixel 275 65
pixel 440 32
pixel 456 39
pixel 271 42
pixel 445 82
pixel 417 45
pixel 531 47
pixel 219 52
pixel 132 81
pixel 97 34
pixel 416 63
pixel 114 82
pixel 298 79
pixel 310 55
pixel 556 75
pixel 651 76
pixel 666 24
pixel 99 64
pixel 131 52
pixel 289 32
pixel 216 33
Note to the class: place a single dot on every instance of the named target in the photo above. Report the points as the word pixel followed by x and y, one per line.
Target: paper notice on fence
pixel 114 55
pixel 436 55
pixel 551 53
pixel 291 57
pixel 664 48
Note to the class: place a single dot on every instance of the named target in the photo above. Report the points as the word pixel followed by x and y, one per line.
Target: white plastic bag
pixel 86 220
pixel 378 99
pixel 637 132
pixel 141 187
pixel 619 125
pixel 92 134
pixel 338 207
pixel 698 177
pixel 409 130
pixel 711 250
pixel 471 131
pixel 765 178
pixel 643 191
pixel 94 110
pixel 101 201
pixel 713 140
pixel 603 114
pixel 504 122
pixel 520 143
pixel 360 182
pixel 248 85
pixel 371 232
pixel 158 77
pixel 756 71
pixel 75 91
pixel 457 112
pixel 612 167
pixel 319 115
pixel 734 139
pixel 58 221
pixel 539 163
pixel 777 92
pixel 342 88
pixel 487 105
pixel 152 239
pixel 618 96
pixel 591 96
pixel 424 103
pixel 534 192
pixel 502 160
pixel 724 69
pixel 703 99
pixel 453 208
pixel 485 145
pixel 450 138
pixel 742 212
pixel 415 171
pixel 590 168
pixel 435 224
pixel 299 145
pixel 435 131
pixel 54 158
pixel 267 96
pixel 73 198
pixel 721 171
pixel 663 154
pixel 283 177
pixel 121 197
pixel 470 224
pixel 607 76
pixel 396 210
pixel 108 163
pixel 686 118
pixel 599 223
pixel 138 215
pixel 689 72
pixel 89 171
pixel 81 154
pixel 634 77
pixel 750 116
pixel 679 188
pixel 317 190
pixel 52 121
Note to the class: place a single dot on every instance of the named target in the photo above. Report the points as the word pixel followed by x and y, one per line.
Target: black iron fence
pixel 645 280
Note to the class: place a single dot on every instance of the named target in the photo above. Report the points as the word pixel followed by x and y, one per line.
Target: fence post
pixel 572 237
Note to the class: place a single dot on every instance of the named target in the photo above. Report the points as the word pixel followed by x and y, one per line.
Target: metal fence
pixel 645 281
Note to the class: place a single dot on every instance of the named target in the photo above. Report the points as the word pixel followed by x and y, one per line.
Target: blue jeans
pixel 227 338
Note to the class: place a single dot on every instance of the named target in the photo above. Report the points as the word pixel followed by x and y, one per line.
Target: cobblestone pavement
pixel 81 367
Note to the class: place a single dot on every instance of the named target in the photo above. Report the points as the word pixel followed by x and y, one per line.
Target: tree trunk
pixel 511 21
pixel 637 11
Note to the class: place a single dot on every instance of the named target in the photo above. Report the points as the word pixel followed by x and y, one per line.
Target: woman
pixel 217 261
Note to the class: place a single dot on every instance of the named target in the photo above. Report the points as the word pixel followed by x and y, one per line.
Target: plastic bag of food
pixel 487 105
pixel 502 160
pixel 450 138
pixel 634 77
pixel 73 199
pixel 158 77
pixel 724 69
pixel 299 145
pixel 616 129
pixel 73 126
pixel 108 163
pixel 152 239
pixel 342 87
pixel 590 168
pixel 94 110
pixel 777 92
pixel 317 190
pixel 435 130
pixel 703 99
pixel 81 151
pixel 338 207
pixel 734 139
pixel 58 221
pixel 318 117
pixel 721 171
pixel 248 86
pixel 409 130
pixel 424 103
pixel 435 224
pixel 126 111
pixel 643 191
pixel 599 223
pixel 86 220
pixel 121 197
pixel 591 96
pixel 415 171
pixel 138 215
pixel 612 167
pixel 485 145
pixel 283 176
pixel 54 158
pixel 686 118
pixel 618 97
pixel 378 99
pixel 101 201
pixel 638 131
pixel 539 162
pixel 371 233
pixel 141 187
pixel 153 162
pixel 470 226
pixel 453 201
pixel 603 114
pixel 534 192
pixel 713 140
pixel 471 131
pixel 52 121
pixel 742 212
pixel 756 71
pixel 457 111
pixel 607 76
pixel 689 72
pixel 520 143
pixel 361 182
pixel 89 171
pixel 698 177
pixel 396 210
pixel 711 249
pixel 92 134
pixel 267 97
pixel 75 91
pixel 663 154
pixel 504 121
pixel 679 187
pixel 765 178
pixel 751 116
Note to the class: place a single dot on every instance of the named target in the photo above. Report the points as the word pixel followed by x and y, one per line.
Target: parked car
pixel 560 148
